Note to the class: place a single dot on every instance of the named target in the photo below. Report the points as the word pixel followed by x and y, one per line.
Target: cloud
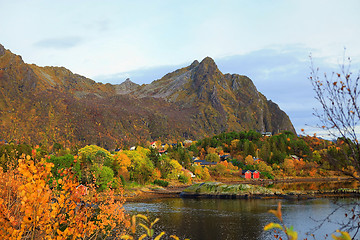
pixel 59 43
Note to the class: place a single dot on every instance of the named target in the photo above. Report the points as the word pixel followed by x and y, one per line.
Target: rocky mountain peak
pixel 207 67
pixel 206 73
pixel 194 64
pixel 209 64
pixel 128 82
pixel 2 50
pixel 126 87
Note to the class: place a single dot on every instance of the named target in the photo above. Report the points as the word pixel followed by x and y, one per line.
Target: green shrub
pixel 103 177
pixel 267 175
pixel 212 157
pixel 122 180
pixel 161 183
pixel 183 178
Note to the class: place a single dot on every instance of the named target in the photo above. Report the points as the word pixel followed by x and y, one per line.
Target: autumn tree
pixel 212 157
pixel 92 159
pixel 182 155
pixel 141 168
pixel 121 164
pixel 33 208
pixel 61 163
pixel 154 157
pixel 338 95
pixel 289 166
pixel 249 160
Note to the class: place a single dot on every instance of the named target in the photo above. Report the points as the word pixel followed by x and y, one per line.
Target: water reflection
pixel 331 185
pixel 234 218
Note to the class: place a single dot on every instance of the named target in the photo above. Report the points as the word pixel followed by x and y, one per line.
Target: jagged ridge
pixel 48 104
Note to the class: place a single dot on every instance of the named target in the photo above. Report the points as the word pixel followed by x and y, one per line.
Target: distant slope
pixel 51 104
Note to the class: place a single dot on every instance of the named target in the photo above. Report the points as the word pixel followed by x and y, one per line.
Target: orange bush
pixel 31 208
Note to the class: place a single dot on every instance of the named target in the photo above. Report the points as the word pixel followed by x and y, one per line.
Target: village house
pixel 251 174
pixel 266 134
pixel 204 163
pixel 188 172
pixel 83 190
pixel 153 144
pixel 246 174
pixel 163 151
pixel 255 174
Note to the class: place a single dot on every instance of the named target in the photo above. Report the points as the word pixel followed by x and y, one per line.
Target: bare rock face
pixel 2 50
pixel 126 87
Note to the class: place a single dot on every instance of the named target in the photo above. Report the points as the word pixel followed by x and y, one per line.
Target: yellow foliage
pixel 175 169
pixel 156 173
pixel 30 208
pixel 263 167
pixel 234 143
pixel 91 150
pixel 249 160
pixel 211 150
pixel 206 174
pixel 121 160
pixel 289 165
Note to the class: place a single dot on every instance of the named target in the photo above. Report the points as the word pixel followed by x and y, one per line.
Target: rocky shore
pixel 247 191
pixel 235 190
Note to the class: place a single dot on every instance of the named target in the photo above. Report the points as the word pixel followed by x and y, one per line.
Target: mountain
pixel 52 104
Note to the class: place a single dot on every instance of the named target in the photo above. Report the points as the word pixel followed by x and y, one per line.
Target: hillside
pixel 52 104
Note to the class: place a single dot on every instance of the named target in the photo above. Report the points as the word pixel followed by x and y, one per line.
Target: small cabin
pixel 83 190
pixel 266 134
pixel 256 174
pixel 247 174
pixel 153 144
pixel 162 151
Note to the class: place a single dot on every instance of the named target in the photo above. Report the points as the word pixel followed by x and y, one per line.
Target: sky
pixel 269 41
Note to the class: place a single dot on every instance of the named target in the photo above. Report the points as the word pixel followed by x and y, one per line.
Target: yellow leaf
pixel 273 225
pixel 153 223
pixel 126 237
pixel 343 236
pixel 159 236
pixel 143 217
pixel 142 236
pixel 146 228
pixel 291 233
pixel 133 225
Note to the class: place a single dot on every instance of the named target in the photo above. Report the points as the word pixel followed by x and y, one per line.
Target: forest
pixel 48 191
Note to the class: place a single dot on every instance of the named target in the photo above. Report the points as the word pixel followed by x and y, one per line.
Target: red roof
pixel 82 189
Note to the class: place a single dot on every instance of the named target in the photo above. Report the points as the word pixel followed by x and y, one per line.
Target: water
pixel 240 218
pixel 329 185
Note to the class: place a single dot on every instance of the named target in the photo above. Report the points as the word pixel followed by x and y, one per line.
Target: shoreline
pixel 176 191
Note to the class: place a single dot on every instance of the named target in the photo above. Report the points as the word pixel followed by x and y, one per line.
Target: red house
pixel 247 174
pixel 255 174
pixel 82 190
